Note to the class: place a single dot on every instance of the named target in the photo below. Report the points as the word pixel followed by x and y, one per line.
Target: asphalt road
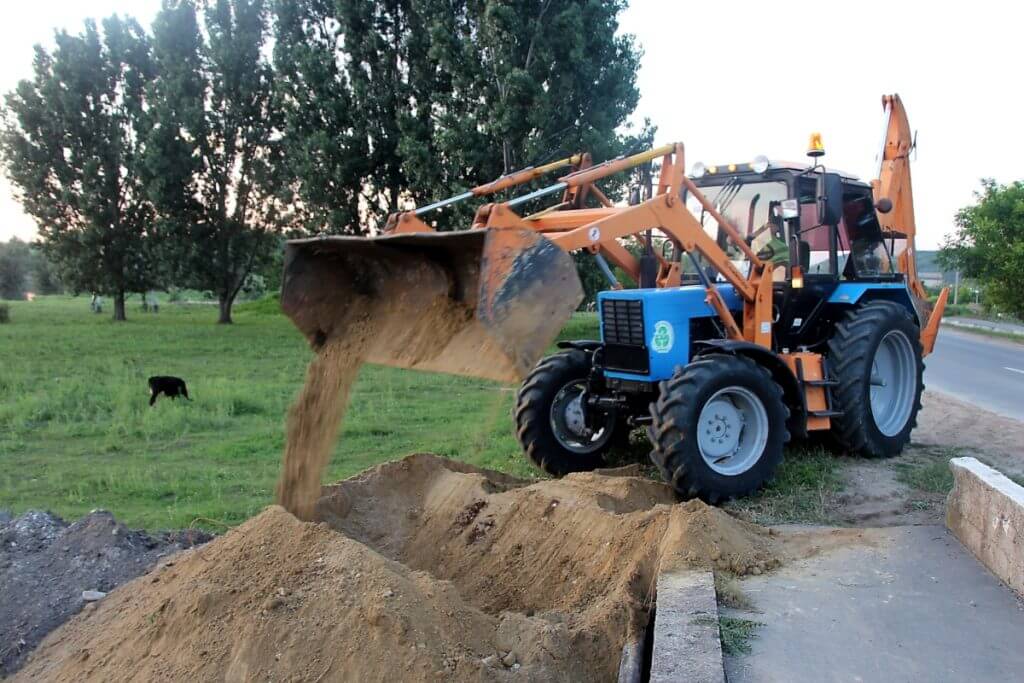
pixel 981 370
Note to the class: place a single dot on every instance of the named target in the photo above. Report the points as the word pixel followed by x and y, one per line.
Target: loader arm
pixel 666 212
pixel 488 301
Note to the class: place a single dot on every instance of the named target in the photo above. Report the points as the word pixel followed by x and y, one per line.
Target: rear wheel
pixel 551 421
pixel 719 427
pixel 875 355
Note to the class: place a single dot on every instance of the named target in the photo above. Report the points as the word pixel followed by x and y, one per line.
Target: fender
pixel 768 359
pixel 581 344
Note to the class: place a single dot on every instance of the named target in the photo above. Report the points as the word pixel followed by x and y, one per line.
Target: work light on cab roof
pixel 758 165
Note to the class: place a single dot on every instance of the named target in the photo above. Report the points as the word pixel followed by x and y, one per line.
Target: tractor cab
pixel 812 225
pixel 817 228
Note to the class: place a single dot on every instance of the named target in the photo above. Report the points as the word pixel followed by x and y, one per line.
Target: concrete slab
pixel 686 640
pixel 914 606
pixel 985 510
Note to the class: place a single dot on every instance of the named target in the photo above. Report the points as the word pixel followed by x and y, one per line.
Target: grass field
pixel 76 431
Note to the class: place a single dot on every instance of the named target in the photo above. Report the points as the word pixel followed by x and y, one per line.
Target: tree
pixel 45 279
pixel 327 156
pixel 15 264
pixel 212 158
pixel 72 146
pixel 423 98
pixel 988 243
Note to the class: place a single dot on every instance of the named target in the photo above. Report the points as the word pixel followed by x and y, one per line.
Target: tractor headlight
pixel 698 170
pixel 759 164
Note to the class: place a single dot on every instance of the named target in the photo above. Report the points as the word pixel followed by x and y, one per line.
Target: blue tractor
pixel 844 315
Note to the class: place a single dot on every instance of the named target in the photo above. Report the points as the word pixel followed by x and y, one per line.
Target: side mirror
pixel 884 205
pixel 830 199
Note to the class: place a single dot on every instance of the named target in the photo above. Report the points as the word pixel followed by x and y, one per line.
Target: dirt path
pixel 945 422
pixel 911 489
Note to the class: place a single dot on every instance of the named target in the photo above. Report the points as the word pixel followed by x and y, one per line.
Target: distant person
pixel 96 305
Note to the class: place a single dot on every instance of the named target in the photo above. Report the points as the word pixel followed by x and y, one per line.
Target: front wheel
pixel 719 428
pixel 552 424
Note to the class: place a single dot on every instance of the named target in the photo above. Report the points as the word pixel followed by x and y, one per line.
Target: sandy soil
pixel 421 569
pixel 873 494
pixel 946 422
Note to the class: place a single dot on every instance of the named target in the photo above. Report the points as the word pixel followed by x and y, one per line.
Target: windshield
pixel 748 207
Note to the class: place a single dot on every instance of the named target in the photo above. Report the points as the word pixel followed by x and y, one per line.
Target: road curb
pixel 981 326
pixel 985 510
pixel 687 645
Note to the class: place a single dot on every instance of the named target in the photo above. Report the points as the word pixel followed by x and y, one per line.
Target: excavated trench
pixel 420 569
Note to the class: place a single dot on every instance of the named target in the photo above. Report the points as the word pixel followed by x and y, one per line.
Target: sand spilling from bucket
pixel 422 569
pixel 314 419
pixel 416 321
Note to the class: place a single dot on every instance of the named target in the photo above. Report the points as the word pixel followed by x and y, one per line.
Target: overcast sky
pixel 737 79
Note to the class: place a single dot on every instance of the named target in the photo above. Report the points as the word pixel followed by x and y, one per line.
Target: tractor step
pixel 824 413
pixel 827 382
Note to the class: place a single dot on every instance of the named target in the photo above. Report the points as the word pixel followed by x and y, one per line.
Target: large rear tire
pixel 875 354
pixel 550 424
pixel 719 428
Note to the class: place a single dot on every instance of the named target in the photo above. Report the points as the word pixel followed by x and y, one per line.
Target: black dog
pixel 171 387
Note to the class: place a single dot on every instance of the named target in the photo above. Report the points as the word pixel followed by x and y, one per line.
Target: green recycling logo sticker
pixel 664 337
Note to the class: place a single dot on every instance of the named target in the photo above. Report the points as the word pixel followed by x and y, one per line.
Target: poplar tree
pixel 213 156
pixel 72 144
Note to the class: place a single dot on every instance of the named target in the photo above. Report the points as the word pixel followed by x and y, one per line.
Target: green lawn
pixel 76 432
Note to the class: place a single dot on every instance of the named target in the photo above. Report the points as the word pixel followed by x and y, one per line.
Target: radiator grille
pixel 623 322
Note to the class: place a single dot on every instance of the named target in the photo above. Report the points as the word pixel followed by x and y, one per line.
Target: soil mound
pixel 421 569
pixel 46 564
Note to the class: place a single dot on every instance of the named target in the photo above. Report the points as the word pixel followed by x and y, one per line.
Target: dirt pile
pixel 46 564
pixel 421 569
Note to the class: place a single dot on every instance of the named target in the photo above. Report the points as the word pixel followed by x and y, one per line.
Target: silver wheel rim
pixel 568 425
pixel 893 383
pixel 732 430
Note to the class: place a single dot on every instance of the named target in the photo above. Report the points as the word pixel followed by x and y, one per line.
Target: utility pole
pixel 956 288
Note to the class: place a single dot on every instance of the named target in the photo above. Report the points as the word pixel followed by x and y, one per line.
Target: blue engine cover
pixel 667 315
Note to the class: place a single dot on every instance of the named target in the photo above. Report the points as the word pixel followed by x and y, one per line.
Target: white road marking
pixel 1013 370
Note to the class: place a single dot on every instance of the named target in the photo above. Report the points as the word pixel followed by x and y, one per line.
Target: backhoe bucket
pixel 484 303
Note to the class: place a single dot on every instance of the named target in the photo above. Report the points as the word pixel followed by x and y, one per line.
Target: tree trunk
pixel 119 306
pixel 225 301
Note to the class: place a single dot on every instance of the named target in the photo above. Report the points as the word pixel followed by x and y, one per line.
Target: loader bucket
pixel 484 303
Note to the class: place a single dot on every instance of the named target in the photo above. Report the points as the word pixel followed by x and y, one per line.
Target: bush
pixel 5 313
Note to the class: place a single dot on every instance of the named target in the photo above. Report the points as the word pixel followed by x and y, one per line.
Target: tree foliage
pixel 988 244
pixel 23 268
pixel 45 279
pixel 72 145
pixel 212 160
pixel 434 96
pixel 15 266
